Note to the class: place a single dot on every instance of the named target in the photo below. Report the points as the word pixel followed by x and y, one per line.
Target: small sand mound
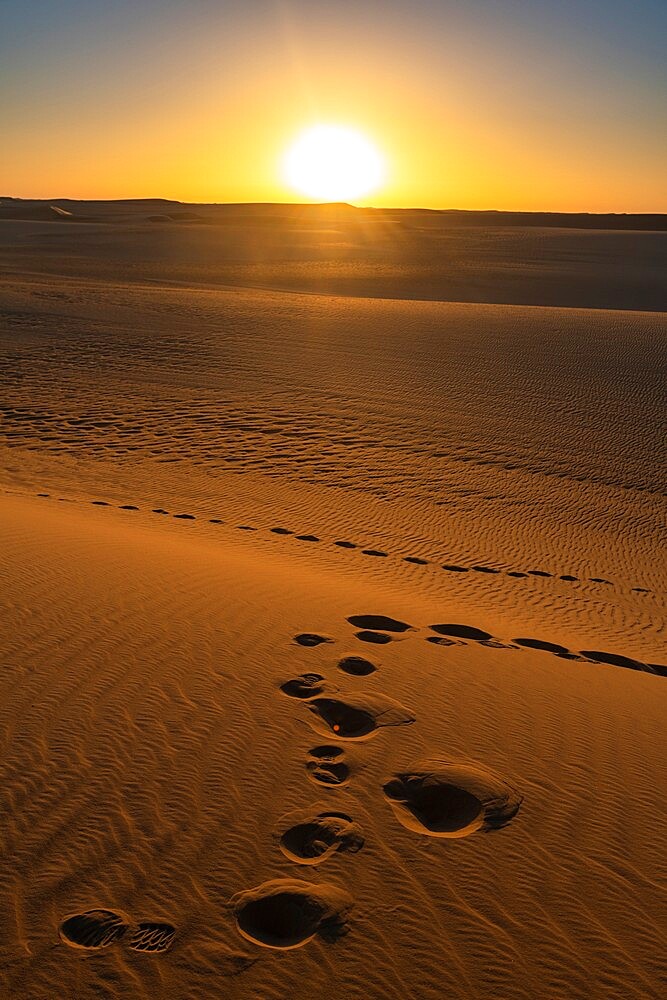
pixel 462 632
pixel 358 666
pixel 380 623
pixel 287 913
pixel 310 836
pixel 356 717
pixel 442 799
pixel 152 937
pixel 306 686
pixel 93 929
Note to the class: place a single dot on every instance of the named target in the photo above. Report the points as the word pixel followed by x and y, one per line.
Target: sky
pixel 509 104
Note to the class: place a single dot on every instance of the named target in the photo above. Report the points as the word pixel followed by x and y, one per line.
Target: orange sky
pixel 499 105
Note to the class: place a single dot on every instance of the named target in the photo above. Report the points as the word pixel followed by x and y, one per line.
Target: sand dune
pixel 334 657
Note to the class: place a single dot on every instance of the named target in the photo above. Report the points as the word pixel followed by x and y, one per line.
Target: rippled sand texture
pixel 332 660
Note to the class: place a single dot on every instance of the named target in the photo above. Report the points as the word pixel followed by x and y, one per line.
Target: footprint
pixel 379 622
pixel 307 538
pixel 379 638
pixel 347 545
pixel 306 686
pixel 416 560
pixel 151 936
pixel 538 572
pixel 358 666
pixel 311 639
pixel 485 569
pixel 281 531
pixel 444 799
pixel 615 660
pixel 454 569
pixel 185 517
pixel 287 913
pixel 100 503
pixel 462 632
pixel 326 766
pixel 517 574
pixel 351 716
pixel 569 579
pixel 548 647
pixel 374 552
pixel 215 520
pixel 158 510
pixel 441 640
pixel 599 579
pixel 311 836
pixel 93 929
pixel 128 506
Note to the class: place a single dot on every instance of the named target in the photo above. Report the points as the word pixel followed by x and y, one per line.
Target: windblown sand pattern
pixel 340 561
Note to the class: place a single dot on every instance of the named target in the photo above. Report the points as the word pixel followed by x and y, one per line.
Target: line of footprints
pixel 435 797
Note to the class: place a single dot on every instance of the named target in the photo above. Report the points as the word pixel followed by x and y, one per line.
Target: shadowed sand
pixel 266 552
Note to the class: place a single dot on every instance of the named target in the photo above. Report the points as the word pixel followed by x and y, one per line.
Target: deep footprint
pixel 149 936
pixel 354 716
pixel 381 623
pixel 306 686
pixel 93 929
pixel 379 638
pixel 358 666
pixel 442 799
pixel 311 639
pixel 548 647
pixel 313 835
pixel 325 765
pixel 462 632
pixel 287 913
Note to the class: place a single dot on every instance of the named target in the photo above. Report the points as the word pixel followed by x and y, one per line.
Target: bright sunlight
pixel 333 163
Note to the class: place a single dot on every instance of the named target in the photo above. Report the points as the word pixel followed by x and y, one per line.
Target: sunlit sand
pixel 333 662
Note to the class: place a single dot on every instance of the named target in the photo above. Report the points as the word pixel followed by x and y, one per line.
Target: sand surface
pixel 333 649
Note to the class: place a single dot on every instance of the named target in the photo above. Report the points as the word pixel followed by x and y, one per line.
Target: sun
pixel 333 163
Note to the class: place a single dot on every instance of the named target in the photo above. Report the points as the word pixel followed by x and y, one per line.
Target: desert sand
pixel 333 649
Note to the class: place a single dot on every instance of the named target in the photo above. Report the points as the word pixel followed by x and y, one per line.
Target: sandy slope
pixel 149 755
pixel 468 497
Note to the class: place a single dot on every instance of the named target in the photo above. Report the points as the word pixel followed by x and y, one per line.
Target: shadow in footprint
pixel 307 538
pixel 351 716
pixel 158 510
pixel 306 686
pixel 310 836
pixel 485 569
pixel 462 632
pixel 287 913
pixel 378 638
pixel 185 517
pixel 358 666
pixel 128 506
pixel 281 531
pixel 347 545
pixel 326 766
pixel 615 660
pixel 548 647
pixel 416 560
pixel 443 799
pixel 311 639
pixel 93 929
pixel 454 569
pixel 100 503
pixel 379 622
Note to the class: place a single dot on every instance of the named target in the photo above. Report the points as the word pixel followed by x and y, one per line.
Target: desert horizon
pixel 334 591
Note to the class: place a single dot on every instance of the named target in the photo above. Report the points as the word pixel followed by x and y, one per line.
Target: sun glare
pixel 333 163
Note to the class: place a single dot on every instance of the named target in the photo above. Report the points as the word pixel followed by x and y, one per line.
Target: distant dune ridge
pixel 333 661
